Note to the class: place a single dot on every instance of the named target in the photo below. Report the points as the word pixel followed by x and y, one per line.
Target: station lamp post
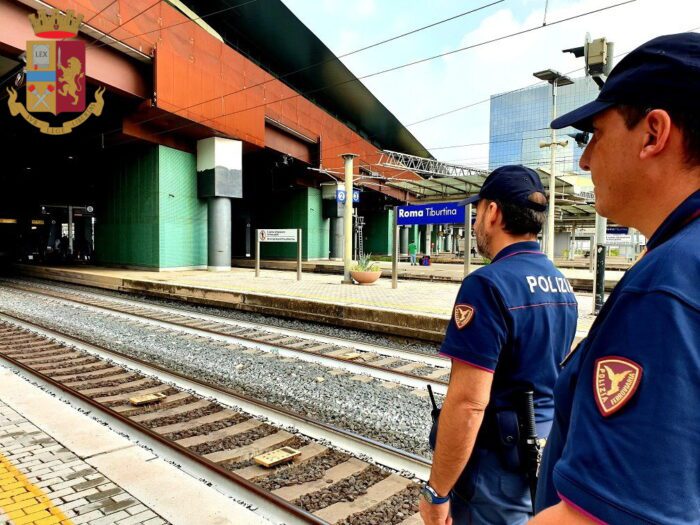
pixel 347 217
pixel 556 79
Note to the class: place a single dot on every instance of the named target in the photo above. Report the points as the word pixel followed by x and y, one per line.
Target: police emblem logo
pixel 463 315
pixel 615 381
pixel 55 74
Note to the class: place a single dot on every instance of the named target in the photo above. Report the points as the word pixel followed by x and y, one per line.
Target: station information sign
pixel 288 235
pixel 433 213
pixel 340 195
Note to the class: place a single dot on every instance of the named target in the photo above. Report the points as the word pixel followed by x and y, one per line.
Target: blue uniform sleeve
pixel 478 328
pixel 637 464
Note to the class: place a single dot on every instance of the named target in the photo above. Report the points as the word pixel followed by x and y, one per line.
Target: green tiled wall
pixel 183 217
pixel 300 208
pixel 150 215
pixel 377 232
pixel 126 230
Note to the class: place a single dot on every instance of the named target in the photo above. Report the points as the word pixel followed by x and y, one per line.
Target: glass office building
pixel 520 120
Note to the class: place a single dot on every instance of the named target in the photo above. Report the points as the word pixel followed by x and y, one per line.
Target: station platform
pixel 416 308
pixel 579 275
pixel 59 466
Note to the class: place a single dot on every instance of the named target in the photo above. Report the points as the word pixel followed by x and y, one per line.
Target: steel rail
pixel 434 360
pixel 357 444
pixel 188 455
pixel 388 374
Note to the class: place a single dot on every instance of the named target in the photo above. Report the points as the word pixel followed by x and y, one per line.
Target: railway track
pixel 408 368
pixel 221 431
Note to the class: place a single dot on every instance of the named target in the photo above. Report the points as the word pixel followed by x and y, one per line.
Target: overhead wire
pixel 189 20
pixel 122 24
pixel 322 62
pixel 388 70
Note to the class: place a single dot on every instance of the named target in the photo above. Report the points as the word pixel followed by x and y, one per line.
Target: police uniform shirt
pixel 625 443
pixel 515 317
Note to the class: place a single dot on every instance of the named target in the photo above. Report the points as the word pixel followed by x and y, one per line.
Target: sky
pixel 470 77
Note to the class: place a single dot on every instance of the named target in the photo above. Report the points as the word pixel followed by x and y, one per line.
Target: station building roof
pixel 268 33
pixel 570 205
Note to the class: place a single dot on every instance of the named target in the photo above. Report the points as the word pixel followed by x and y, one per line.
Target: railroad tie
pixel 375 494
pixel 308 452
pixel 333 475
pixel 260 446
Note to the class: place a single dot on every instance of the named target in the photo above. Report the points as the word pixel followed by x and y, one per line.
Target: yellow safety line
pixel 22 502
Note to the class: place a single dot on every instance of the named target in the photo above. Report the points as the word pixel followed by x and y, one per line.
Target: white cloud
pixel 464 78
pixel 476 74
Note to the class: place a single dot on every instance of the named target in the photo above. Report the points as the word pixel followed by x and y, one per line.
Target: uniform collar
pixel 687 211
pixel 518 247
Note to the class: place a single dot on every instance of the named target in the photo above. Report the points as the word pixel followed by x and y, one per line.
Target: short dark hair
pixel 519 220
pixel 687 120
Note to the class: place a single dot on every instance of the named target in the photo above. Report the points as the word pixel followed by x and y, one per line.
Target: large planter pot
pixel 365 277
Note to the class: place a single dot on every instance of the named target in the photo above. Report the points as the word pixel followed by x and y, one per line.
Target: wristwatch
pixel 428 494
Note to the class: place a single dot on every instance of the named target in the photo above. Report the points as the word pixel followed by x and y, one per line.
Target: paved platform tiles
pixel 581 275
pixel 58 466
pixel 378 306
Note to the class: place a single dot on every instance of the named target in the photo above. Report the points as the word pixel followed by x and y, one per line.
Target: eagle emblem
pixel 615 381
pixel 464 313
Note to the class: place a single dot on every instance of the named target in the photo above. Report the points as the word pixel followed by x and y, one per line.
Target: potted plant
pixel 365 271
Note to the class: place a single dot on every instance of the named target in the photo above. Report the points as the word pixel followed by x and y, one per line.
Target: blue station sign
pixel 433 213
pixel 340 195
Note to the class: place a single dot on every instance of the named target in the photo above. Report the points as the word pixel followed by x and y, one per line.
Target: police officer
pixel 512 323
pixel 625 445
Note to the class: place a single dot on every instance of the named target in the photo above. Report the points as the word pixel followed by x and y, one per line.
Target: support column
pixel 450 245
pixel 347 217
pixel 219 178
pixel 428 239
pixel 219 234
pixel 404 241
pixel 336 234
pixel 416 236
pixel 467 239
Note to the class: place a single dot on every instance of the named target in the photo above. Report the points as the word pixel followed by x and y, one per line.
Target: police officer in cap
pixel 625 445
pixel 513 321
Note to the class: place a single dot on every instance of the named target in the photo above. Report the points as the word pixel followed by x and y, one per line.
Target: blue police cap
pixel 513 184
pixel 662 73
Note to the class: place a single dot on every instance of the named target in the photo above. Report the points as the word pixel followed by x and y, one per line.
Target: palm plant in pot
pixel 365 271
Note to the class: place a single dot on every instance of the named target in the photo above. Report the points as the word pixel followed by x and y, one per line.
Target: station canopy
pixel 571 204
pixel 269 34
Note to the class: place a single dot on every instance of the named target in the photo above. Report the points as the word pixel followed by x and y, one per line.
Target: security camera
pixel 581 138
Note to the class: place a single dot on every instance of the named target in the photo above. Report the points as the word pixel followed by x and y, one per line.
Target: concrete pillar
pixel 416 236
pixel 449 247
pixel 219 178
pixel 348 158
pixel 428 239
pixel 219 234
pixel 336 238
pixel 403 246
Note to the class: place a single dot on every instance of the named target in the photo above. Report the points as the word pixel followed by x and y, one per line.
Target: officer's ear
pixel 657 131
pixel 493 214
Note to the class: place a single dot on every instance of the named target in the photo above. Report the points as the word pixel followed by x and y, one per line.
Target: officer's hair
pixel 519 220
pixel 687 120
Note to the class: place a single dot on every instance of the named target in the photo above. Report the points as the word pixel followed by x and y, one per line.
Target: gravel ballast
pixel 394 416
pixel 361 336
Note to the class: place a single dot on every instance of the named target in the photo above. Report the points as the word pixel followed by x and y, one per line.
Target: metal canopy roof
pixel 268 33
pixel 569 206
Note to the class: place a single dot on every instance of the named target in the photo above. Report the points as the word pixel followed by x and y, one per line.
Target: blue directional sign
pixel 340 195
pixel 434 213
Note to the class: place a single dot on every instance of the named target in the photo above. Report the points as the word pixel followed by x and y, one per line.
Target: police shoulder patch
pixel 463 315
pixel 614 383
